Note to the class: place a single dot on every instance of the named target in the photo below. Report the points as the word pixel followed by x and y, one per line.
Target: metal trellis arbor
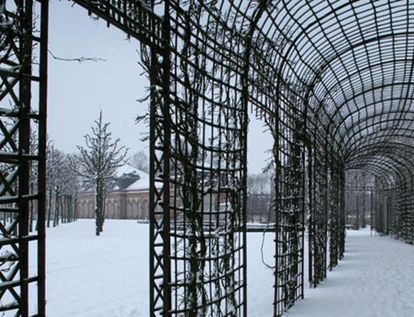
pixel 333 81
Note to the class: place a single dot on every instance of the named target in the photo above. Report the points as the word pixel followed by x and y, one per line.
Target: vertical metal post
pixel 160 248
pixel 44 31
pixel 303 162
pixel 363 199
pixel 166 65
pixel 311 215
pixel 152 195
pixel 371 220
pixel 24 109
pixel 276 140
pixel 326 211
pixel 357 202
pixel 245 97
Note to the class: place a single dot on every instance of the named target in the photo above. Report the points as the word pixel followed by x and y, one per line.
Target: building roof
pixel 130 178
pixel 128 169
pixel 142 183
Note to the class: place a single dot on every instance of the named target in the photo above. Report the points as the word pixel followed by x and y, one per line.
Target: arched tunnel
pixel 331 80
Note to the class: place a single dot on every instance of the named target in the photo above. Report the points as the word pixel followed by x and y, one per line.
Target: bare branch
pixel 79 59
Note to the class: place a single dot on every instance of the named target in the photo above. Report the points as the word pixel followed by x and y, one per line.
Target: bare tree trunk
pixel 62 209
pixel 75 212
pixel 99 206
pixel 49 208
pixel 103 210
pixel 56 217
pixel 68 209
pixel 71 208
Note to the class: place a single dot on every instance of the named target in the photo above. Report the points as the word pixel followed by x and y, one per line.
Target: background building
pixel 129 199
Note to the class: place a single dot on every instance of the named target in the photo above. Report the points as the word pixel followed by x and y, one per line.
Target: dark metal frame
pixel 332 81
pixel 22 154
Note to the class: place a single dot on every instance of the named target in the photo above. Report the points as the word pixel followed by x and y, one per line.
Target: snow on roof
pixel 128 169
pixel 140 184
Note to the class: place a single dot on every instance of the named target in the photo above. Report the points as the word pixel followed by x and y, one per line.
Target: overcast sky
pixel 78 91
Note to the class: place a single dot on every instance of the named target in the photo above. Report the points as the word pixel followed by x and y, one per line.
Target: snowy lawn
pixel 89 276
pixel 104 276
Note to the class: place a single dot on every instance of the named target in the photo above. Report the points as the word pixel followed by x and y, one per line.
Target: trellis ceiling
pixel 351 65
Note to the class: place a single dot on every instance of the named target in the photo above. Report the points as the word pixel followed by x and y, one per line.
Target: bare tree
pixel 259 196
pixel 140 161
pixel 70 185
pixel 54 173
pixel 98 162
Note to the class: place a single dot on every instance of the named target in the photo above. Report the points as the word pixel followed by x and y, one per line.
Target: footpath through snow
pixel 375 279
pixel 107 276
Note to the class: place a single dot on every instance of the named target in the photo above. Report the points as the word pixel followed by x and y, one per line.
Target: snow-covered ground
pixel 375 279
pixel 107 276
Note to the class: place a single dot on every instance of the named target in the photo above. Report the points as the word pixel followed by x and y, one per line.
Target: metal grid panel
pixel 336 215
pixel 22 157
pixel 290 213
pixel 319 221
pixel 203 151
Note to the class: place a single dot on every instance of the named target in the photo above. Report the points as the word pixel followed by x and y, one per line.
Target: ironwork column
pixel 22 156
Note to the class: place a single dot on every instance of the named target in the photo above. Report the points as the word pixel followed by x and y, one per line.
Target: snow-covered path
pixel 375 279
pixel 107 276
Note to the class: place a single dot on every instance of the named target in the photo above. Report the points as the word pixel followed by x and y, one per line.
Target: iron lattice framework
pixel 333 83
pixel 23 55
